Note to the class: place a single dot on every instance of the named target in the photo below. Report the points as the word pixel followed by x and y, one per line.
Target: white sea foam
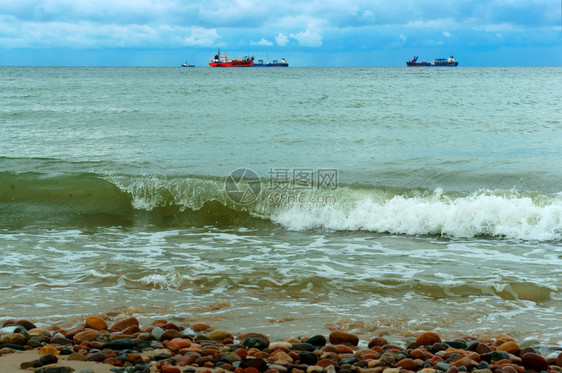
pixel 167 281
pixel 509 215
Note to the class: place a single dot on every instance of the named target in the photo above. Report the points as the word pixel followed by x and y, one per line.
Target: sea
pixel 289 201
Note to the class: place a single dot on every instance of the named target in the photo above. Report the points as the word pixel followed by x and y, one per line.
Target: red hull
pixel 224 61
pixel 232 64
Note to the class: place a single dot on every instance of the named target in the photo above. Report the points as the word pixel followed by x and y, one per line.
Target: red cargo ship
pixel 224 61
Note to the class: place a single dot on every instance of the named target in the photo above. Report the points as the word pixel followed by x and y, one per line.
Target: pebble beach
pixel 104 343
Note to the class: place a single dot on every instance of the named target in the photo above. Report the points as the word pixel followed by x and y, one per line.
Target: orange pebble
pixel 181 343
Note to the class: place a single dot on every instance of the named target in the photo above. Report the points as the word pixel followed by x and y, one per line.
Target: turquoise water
pixel 385 200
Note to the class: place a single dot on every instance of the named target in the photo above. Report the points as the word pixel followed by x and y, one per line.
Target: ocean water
pixel 384 201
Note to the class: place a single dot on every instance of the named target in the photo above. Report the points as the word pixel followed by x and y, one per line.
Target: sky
pixel 306 33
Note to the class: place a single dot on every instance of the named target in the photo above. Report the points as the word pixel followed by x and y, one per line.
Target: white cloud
pixel 262 42
pixel 80 35
pixel 281 40
pixel 312 36
pixel 76 35
pixel 436 24
pixel 202 37
pixel 331 24
pixel 501 27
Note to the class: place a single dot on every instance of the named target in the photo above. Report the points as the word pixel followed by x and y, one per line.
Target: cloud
pixel 334 25
pixel 308 38
pixel 281 40
pixel 76 35
pixel 262 42
pixel 312 36
pixel 202 37
pixel 82 35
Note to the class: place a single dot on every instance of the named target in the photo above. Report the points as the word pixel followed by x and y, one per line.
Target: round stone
pixel 258 364
pixel 86 335
pixel 30 364
pixel 120 344
pixel 14 339
pixel 170 369
pixel 317 340
pixel 303 347
pixel 343 338
pixel 170 334
pixel 157 332
pixel 377 341
pixel 254 335
pixel 122 324
pixel 96 323
pixel 308 358
pixel 48 359
pixel 436 347
pixel 499 355
pixel 456 344
pixel 200 326
pixel 281 345
pixel 483 348
pixel 461 361
pixel 96 356
pixel 510 347
pixel 534 361
pixel 428 339
pixel 219 335
pixel 76 356
pixel 28 325
pixel 258 343
pixel 35 342
pixel 407 363
pixel 48 350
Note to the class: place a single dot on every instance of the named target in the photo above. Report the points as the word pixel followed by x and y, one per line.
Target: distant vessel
pixel 436 62
pixel 275 63
pixel 224 61
pixel 186 65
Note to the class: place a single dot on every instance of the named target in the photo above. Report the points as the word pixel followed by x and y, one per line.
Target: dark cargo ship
pixel 275 63
pixel 436 62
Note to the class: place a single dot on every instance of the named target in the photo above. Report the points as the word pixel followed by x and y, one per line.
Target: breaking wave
pixel 98 199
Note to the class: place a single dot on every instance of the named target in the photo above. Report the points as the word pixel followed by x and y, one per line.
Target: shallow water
pixel 388 200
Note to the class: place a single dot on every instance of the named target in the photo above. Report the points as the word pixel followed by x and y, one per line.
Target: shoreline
pixel 106 343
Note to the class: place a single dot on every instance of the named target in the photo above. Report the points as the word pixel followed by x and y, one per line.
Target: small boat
pixel 187 65
pixel 225 61
pixel 275 63
pixel 436 62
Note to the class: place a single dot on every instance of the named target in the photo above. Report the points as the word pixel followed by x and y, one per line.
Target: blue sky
pixel 307 33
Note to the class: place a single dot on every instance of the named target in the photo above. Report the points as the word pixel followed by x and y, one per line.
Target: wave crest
pixel 498 214
pixel 91 198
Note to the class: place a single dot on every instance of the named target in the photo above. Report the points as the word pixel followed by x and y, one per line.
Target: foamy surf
pixel 498 214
